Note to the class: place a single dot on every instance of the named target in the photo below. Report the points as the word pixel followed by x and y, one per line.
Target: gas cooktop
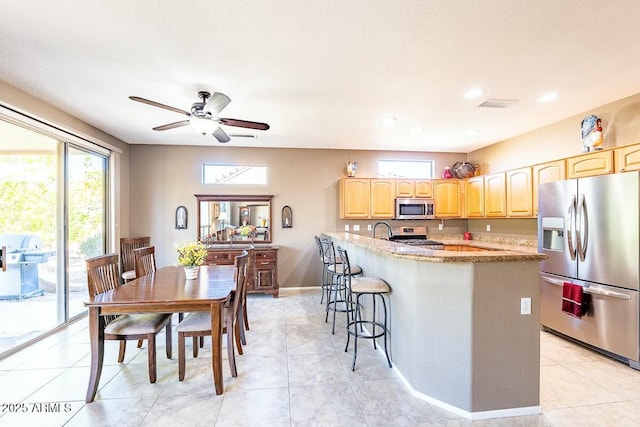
pixel 414 236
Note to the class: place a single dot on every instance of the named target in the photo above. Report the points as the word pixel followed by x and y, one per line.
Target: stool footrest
pixel 354 325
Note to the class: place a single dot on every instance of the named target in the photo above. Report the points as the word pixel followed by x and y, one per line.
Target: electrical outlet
pixel 368 227
pixel 356 227
pixel 525 305
pixel 346 227
pixel 440 227
pixel 488 227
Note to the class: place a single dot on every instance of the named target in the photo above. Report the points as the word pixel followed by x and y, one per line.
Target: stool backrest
pixel 329 252
pixel 344 260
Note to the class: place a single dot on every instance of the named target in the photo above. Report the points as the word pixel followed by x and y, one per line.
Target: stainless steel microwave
pixel 415 209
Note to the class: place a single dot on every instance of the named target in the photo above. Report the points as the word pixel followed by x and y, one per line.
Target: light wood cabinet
pixel 447 198
pixel 590 164
pixel 547 172
pixel 424 188
pixel 354 198
pixel 519 193
pixel 405 187
pixel 627 158
pixel 383 192
pixel 495 199
pixel 264 274
pixel 474 197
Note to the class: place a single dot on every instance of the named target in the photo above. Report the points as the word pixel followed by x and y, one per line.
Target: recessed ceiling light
pixel 389 120
pixel 474 93
pixel 548 97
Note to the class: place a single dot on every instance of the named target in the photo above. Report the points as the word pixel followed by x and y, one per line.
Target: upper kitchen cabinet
pixel 627 158
pixel 519 193
pixel 547 172
pixel 495 197
pixel 590 164
pixel 405 188
pixel 424 188
pixel 474 197
pixel 447 198
pixel 383 196
pixel 354 198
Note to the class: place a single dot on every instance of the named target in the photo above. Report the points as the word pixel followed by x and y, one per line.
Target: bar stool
pixel 324 279
pixel 338 298
pixel 360 286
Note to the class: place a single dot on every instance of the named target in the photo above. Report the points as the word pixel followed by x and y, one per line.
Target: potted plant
pixel 191 256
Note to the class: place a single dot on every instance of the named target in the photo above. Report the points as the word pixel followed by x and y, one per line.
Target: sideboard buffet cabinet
pixel 264 273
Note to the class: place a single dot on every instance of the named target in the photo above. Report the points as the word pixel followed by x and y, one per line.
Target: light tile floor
pixel 293 373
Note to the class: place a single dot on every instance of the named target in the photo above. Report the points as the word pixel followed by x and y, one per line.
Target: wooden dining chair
pixel 198 324
pixel 251 272
pixel 144 260
pixel 127 245
pixel 102 276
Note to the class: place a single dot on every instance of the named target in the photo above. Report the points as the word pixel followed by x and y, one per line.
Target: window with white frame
pixel 233 174
pixel 412 169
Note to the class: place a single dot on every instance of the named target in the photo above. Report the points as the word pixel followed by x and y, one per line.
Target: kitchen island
pixel 457 335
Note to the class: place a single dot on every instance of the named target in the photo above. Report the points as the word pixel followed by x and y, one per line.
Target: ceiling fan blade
pixel 221 135
pixel 157 104
pixel 244 124
pixel 172 125
pixel 216 103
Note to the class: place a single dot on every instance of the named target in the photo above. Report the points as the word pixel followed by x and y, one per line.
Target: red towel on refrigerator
pixel 573 300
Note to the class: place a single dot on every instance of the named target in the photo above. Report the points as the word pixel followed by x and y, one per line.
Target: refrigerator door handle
pixel 587 290
pixel 582 229
pixel 571 220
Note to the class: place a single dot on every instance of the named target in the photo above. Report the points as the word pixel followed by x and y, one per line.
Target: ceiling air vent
pixel 498 103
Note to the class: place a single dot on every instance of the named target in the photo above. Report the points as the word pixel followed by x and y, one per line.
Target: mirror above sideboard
pixel 223 219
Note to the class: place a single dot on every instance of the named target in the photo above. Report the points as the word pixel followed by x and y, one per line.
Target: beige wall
pixel 562 139
pixel 17 100
pixel 165 177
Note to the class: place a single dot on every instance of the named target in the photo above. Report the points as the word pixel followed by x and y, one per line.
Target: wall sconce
pixel 181 218
pixel 287 217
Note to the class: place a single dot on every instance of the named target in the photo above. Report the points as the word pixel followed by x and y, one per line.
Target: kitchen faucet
pixel 373 231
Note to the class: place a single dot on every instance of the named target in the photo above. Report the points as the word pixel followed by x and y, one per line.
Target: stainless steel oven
pixel 415 208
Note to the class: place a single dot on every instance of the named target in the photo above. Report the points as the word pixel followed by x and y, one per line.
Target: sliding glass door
pixel 52 217
pixel 86 185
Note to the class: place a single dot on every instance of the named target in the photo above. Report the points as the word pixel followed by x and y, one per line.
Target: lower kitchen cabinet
pixel 264 274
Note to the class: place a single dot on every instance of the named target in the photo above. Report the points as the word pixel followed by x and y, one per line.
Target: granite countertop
pixel 495 252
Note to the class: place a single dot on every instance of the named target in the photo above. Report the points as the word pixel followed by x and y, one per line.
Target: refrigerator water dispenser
pixel 553 233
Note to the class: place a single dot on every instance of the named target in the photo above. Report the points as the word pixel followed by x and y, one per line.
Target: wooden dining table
pixel 164 291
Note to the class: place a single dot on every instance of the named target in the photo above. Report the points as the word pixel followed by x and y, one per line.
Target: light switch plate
pixel 368 227
pixel 346 227
pixel 356 227
pixel 488 227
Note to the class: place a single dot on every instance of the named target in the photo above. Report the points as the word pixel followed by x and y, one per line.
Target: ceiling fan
pixel 204 116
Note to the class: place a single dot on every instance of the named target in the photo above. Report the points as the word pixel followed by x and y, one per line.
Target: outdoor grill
pixel 23 254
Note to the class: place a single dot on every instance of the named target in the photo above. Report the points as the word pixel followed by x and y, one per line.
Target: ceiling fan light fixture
pixel 203 125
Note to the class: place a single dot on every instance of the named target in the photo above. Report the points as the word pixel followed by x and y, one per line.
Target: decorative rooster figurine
pixel 591 134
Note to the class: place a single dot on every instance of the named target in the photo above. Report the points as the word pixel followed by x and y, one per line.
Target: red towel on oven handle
pixel 573 302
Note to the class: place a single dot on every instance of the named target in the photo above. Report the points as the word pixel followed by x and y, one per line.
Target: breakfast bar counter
pixel 457 335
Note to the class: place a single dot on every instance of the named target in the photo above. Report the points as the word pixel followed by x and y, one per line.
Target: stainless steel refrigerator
pixel 589 229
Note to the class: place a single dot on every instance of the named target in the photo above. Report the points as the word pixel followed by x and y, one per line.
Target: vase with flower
pixel 191 256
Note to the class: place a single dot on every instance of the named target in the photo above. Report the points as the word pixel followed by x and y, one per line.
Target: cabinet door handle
pixel 264 263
